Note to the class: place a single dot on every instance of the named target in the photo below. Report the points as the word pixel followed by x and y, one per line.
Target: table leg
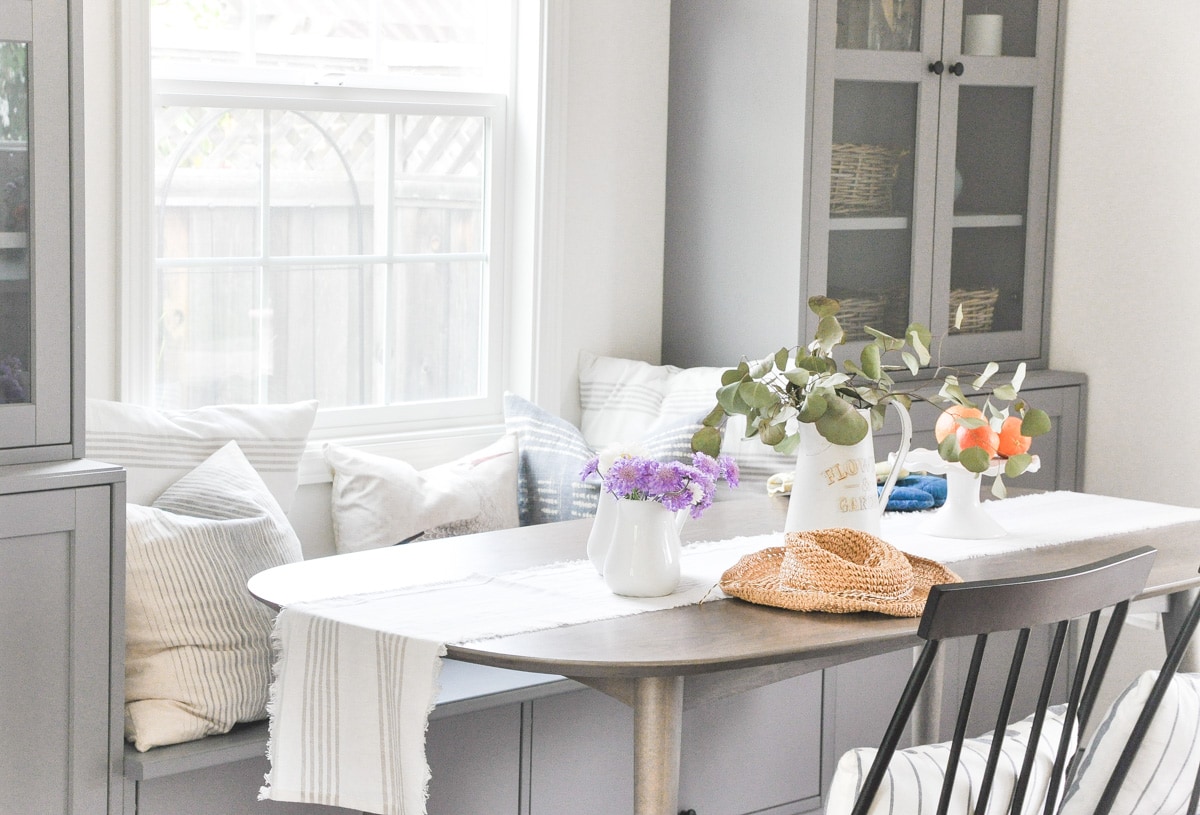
pixel 657 729
pixel 1178 605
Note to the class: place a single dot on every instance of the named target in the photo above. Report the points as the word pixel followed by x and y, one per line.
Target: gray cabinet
pixel 758 751
pixel 900 162
pixel 62 518
pixel 40 325
pixel 61 676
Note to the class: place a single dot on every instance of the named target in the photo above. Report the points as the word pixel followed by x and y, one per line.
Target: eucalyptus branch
pixel 806 385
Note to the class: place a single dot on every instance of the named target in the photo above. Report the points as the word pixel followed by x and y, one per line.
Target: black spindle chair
pixel 981 608
pixel 1154 779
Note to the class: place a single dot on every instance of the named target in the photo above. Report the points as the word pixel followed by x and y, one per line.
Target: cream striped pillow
pixel 157 447
pixel 1164 768
pixel 914 778
pixel 197 644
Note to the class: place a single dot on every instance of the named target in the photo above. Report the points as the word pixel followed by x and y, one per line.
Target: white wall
pixel 1126 287
pixel 615 183
pixel 609 283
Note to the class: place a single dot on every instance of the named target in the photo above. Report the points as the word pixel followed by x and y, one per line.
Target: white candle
pixel 982 35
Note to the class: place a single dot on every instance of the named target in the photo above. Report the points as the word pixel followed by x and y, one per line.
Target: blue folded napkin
pixel 916 492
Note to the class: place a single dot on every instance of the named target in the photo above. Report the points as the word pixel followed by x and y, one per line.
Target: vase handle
pixel 898 464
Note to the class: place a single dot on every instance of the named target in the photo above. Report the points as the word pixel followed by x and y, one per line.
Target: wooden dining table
pixel 662 662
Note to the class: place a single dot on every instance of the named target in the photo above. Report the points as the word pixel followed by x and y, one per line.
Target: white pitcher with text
pixel 835 484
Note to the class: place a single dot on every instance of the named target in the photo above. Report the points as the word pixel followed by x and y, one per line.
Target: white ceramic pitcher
pixel 835 484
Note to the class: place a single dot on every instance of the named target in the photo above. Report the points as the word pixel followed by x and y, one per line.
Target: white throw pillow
pixel 626 400
pixel 157 447
pixel 1164 768
pixel 197 644
pixel 913 781
pixel 380 501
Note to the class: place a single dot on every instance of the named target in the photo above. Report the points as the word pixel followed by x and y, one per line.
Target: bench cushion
pixel 198 653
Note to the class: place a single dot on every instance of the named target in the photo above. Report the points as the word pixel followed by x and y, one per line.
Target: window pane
pixel 208 337
pixel 439 183
pixel 208 181
pixel 435 349
pixel 322 188
pixel 459 40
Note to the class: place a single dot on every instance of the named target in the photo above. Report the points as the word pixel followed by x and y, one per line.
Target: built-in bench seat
pixel 152 777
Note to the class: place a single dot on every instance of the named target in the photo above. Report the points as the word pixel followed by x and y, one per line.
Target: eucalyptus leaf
pixel 948 448
pixel 773 434
pixel 842 424
pixel 872 367
pixel 812 407
pixel 797 376
pixel 730 400
pixel 975 459
pixel 789 445
pixel 1005 392
pixel 735 374
pixel 998 488
pixel 756 395
pixel 958 316
pixel 1017 464
pixel 781 359
pixel 823 306
pixel 910 362
pixel 714 417
pixel 707 440
pixel 829 333
pixel 1035 423
pixel 988 371
pixel 1018 378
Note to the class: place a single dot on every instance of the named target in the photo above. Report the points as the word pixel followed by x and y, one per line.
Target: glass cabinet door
pixel 16 319
pixel 38 325
pixel 929 169
pixel 993 177
pixel 873 162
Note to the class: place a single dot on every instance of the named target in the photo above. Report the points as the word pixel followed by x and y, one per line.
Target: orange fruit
pixel 983 437
pixel 1012 443
pixel 947 424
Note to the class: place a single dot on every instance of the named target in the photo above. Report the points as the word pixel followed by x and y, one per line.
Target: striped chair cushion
pixel 914 777
pixel 624 400
pixel 1164 768
pixel 157 447
pixel 197 644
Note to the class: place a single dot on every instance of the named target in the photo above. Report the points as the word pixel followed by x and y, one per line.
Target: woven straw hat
pixel 837 570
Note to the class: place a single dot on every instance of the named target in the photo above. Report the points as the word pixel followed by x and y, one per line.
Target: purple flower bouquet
pixel 674 484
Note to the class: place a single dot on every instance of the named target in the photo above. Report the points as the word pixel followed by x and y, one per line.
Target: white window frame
pixel 528 250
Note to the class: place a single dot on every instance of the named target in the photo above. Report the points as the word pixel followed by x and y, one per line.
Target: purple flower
pixel 674 484
pixel 590 469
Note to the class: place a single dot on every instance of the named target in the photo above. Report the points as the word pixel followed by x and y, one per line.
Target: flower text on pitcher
pixel 848 469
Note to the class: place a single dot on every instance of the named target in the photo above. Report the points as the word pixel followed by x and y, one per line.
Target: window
pixel 328 206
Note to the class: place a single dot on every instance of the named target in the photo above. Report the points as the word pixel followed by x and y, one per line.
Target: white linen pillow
pixel 626 400
pixel 1164 768
pixel 197 644
pixel 157 447
pixel 380 501
pixel 913 781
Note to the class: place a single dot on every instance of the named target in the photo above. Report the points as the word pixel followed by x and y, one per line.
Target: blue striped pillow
pixel 553 452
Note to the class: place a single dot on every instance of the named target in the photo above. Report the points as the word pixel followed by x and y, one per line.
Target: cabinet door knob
pixel 957 69
pixel 937 67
